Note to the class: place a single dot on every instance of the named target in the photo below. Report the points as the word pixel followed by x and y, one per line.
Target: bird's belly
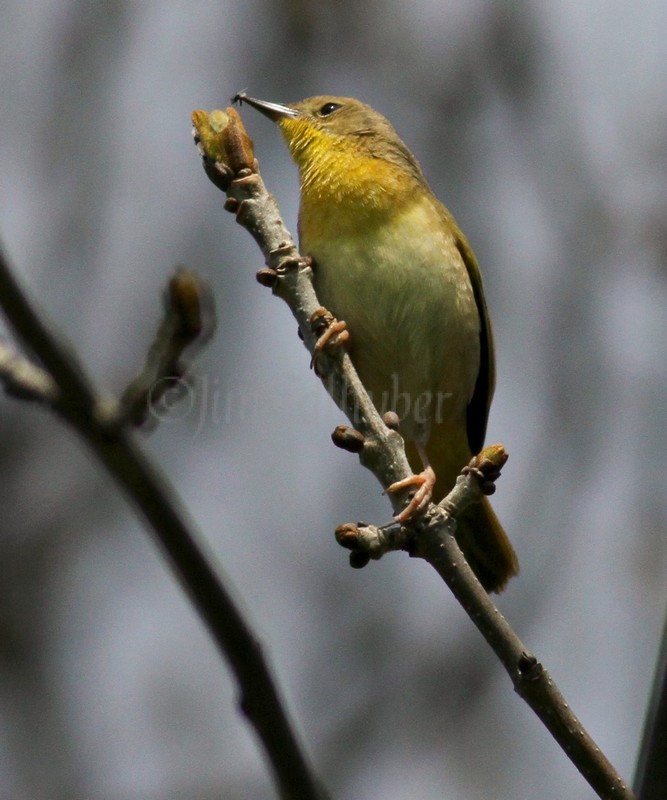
pixel 412 317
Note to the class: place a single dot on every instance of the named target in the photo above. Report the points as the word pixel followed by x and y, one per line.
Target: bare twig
pixel 531 681
pixel 76 397
pixel 188 323
pixel 651 775
pixel 23 379
pixel 230 163
pixel 437 544
pixel 154 500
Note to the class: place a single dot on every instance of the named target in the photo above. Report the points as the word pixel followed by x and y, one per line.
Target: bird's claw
pixel 424 481
pixel 330 332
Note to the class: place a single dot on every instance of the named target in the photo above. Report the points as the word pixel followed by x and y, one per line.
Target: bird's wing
pixel 478 408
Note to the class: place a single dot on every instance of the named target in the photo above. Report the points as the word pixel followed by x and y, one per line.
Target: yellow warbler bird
pixel 391 262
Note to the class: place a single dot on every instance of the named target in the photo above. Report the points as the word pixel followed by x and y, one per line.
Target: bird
pixel 389 259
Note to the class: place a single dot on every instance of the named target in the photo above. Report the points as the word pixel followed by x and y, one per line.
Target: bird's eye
pixel 328 108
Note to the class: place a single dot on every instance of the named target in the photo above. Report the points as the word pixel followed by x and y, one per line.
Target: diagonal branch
pixel 651 774
pixel 23 379
pixel 229 162
pixel 77 397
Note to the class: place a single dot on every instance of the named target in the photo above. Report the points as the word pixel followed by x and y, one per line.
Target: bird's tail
pixel 479 533
pixel 486 546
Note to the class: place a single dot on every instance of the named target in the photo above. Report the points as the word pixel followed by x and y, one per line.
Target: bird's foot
pixel 330 332
pixel 424 481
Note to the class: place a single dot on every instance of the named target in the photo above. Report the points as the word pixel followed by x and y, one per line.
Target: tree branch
pixel 229 162
pixel 187 324
pixel 651 774
pixel 23 379
pixel 152 497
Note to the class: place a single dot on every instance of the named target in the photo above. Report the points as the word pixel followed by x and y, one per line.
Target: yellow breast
pixel 393 272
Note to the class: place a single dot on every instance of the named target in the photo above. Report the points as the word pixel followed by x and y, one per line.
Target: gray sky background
pixel 543 128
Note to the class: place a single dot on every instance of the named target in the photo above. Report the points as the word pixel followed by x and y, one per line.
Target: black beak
pixel 274 111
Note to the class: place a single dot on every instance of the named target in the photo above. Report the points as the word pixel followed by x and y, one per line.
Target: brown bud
pixel 486 466
pixel 238 145
pixel 492 459
pixel 391 420
pixel 348 439
pixel 224 142
pixel 185 299
pixel 529 666
pixel 347 535
pixel 267 277
pixel 359 560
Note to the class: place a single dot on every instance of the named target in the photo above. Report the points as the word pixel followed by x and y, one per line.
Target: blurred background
pixel 544 128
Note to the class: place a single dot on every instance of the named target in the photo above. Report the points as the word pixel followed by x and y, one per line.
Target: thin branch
pixel 436 544
pixel 651 774
pixel 77 398
pixel 229 162
pixel 23 379
pixel 153 499
pixel 187 324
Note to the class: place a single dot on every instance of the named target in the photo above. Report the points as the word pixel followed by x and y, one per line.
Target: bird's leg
pixel 424 481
